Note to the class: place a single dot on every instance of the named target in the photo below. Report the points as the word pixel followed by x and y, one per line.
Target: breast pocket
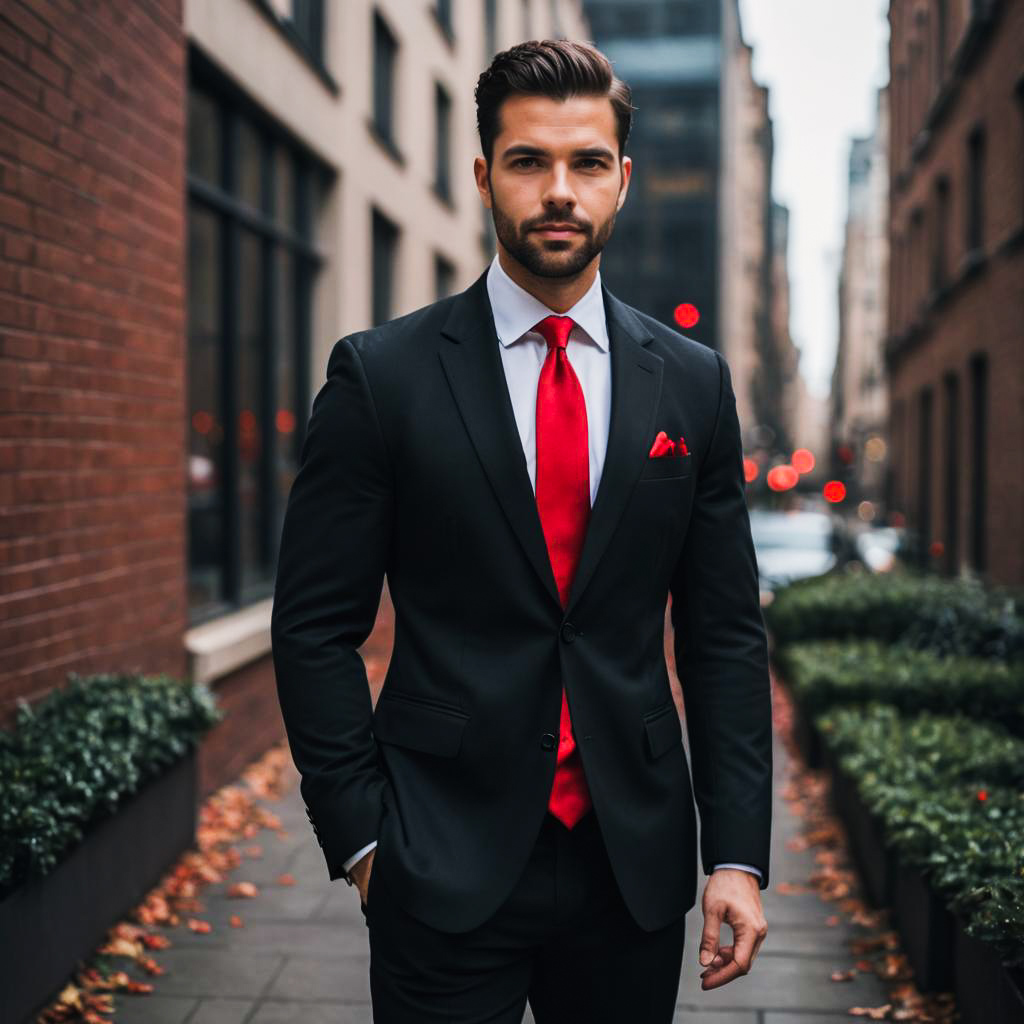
pixel 667 467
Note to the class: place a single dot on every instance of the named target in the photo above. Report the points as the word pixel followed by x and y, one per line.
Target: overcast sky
pixel 823 61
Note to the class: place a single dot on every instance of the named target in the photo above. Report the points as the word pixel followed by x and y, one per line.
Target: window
pixel 940 238
pixel 951 461
pixel 252 201
pixel 385 248
pixel 442 142
pixel 490 29
pixel 308 25
pixel 443 13
pixel 924 472
pixel 979 452
pixel 975 189
pixel 385 50
pixel 444 277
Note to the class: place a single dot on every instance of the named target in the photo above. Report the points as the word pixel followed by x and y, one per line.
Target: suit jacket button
pixel 547 741
pixel 568 632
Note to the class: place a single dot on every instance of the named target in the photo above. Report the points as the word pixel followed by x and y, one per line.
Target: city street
pixel 302 954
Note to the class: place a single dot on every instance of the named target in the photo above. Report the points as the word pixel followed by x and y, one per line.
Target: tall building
pixel 186 234
pixel 860 427
pixel 955 348
pixel 693 245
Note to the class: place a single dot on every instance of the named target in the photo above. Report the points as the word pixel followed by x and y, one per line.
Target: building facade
pixel 955 347
pixel 189 226
pixel 859 396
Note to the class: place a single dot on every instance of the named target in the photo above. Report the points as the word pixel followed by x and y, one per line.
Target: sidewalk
pixel 302 954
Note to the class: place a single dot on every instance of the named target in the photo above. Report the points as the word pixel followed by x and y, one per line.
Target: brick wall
pixel 934 331
pixel 92 341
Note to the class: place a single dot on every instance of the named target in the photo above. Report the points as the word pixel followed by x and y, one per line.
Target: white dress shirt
pixel 523 352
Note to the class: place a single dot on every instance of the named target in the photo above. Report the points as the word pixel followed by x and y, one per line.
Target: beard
pixel 556 257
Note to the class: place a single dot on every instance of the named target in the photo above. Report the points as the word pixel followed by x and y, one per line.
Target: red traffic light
pixel 686 314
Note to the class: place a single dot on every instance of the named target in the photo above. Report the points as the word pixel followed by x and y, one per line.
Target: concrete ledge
pixel 223 645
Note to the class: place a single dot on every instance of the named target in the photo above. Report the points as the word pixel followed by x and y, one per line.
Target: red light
pixel 686 314
pixel 834 491
pixel 284 421
pixel 750 470
pixel 802 460
pixel 936 548
pixel 982 794
pixel 782 478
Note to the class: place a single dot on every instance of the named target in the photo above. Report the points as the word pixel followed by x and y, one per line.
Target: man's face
pixel 555 182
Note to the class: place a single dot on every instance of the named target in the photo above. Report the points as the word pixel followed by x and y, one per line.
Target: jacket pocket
pixel 418 723
pixel 668 467
pixel 664 730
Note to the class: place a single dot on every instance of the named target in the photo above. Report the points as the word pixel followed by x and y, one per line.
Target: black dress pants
pixel 564 940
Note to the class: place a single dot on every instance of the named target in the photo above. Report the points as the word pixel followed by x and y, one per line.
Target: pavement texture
pixel 302 954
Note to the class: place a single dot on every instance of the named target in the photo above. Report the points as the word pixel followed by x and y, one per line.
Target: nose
pixel 558 193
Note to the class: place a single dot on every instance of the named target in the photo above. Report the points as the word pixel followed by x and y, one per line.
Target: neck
pixel 559 294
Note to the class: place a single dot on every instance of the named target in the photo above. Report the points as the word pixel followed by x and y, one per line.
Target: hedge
pixel 949 793
pixel 917 610
pixel 76 754
pixel 827 672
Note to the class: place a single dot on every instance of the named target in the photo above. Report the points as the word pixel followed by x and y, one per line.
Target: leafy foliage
pixel 80 751
pixel 909 608
pixel 950 792
pixel 828 672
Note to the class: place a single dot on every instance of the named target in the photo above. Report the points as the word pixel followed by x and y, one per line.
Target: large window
pixel 952 470
pixel 442 142
pixel 384 254
pixel 252 202
pixel 978 456
pixel 385 50
pixel 975 190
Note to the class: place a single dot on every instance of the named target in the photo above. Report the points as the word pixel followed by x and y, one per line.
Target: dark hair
pixel 557 68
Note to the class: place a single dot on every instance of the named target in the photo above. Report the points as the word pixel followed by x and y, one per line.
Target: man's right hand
pixel 360 872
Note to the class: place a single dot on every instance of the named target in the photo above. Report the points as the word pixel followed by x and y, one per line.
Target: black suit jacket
pixel 412 467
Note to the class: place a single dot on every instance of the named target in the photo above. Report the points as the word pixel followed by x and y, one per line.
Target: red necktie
pixel 563 501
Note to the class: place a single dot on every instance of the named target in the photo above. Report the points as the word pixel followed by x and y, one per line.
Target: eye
pixel 519 162
pixel 592 160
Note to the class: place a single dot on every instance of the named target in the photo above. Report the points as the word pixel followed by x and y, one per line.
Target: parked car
pixel 794 545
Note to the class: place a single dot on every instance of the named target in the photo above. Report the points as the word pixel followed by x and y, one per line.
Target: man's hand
pixel 732 896
pixel 360 872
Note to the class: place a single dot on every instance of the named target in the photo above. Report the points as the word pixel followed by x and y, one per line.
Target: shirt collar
pixel 516 311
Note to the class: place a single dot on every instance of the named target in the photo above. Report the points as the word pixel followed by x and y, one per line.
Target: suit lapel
pixel 472 364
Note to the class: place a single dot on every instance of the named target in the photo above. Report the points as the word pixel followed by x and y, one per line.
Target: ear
pixel 627 170
pixel 483 186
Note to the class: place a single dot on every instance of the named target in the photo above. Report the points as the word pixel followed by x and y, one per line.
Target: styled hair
pixel 556 68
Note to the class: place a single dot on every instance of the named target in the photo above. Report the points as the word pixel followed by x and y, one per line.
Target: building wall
pixel 93 317
pixel 92 163
pixel 936 326
pixel 859 393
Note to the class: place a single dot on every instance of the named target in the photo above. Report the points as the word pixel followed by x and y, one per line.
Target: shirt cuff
pixel 357 856
pixel 742 867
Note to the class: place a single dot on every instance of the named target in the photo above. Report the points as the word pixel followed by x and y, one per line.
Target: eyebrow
pixel 524 150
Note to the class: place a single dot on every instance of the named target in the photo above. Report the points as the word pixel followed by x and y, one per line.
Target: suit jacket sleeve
pixel 722 655
pixel 334 551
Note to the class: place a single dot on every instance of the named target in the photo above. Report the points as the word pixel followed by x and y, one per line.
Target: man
pixel 535 466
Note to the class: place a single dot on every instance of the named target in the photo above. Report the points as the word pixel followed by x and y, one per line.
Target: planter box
pixel 807 738
pixel 876 863
pixel 49 924
pixel 987 992
pixel 926 929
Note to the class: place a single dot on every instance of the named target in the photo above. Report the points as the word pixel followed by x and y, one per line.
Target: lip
pixel 557 232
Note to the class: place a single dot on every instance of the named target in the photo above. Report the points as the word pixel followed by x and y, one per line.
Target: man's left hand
pixel 732 896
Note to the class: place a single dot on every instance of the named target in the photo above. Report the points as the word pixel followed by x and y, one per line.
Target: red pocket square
pixel 664 446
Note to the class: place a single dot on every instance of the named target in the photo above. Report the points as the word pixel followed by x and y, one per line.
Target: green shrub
pixel 948 616
pixel 79 752
pixel 828 672
pixel 950 793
